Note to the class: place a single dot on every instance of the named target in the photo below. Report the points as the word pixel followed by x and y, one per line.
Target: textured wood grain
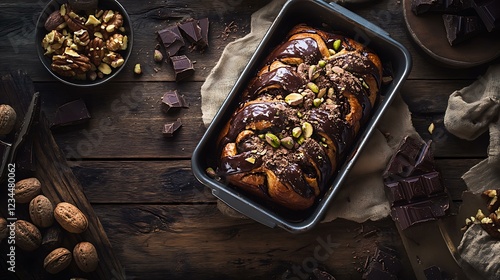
pixel 196 242
pixel 58 184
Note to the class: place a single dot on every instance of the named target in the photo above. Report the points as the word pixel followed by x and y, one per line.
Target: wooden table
pixel 161 222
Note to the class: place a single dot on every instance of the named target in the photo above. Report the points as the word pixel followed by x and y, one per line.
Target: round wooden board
pixel 429 33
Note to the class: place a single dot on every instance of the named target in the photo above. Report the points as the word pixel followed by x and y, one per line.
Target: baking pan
pixel 318 14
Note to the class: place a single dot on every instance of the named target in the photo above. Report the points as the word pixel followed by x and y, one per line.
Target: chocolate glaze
pixel 286 77
pixel 262 110
pixel 342 133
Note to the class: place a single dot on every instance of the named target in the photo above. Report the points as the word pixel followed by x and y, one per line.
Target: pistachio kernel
pixel 294 99
pixel 331 92
pixel 300 115
pixel 287 142
pixel 337 44
pixel 321 63
pixel 321 93
pixel 317 102
pixel 273 140
pixel 211 172
pixel 313 87
pixel 311 71
pixel 296 132
pixel 262 136
pixel 301 140
pixel 307 129
pixel 331 51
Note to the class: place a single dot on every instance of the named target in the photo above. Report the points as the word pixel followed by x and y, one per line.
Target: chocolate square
pixel 192 32
pixel 183 67
pixel 204 24
pixel 171 39
pixel 71 113
pixel 171 127
pixel 462 28
pixel 172 100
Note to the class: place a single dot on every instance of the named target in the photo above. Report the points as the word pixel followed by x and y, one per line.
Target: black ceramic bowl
pixel 47 60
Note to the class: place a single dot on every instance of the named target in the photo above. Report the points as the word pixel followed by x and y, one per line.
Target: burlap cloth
pixel 362 196
pixel 471 112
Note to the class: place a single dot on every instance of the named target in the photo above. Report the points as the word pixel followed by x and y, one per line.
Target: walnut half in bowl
pixel 84 46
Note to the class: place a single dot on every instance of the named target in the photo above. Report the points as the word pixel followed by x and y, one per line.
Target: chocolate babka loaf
pixel 298 117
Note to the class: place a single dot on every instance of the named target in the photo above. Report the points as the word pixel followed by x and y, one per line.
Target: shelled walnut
pixel 79 42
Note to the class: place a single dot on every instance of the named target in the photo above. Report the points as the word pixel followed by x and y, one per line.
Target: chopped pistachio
pixel 294 99
pixel 287 142
pixel 321 63
pixel 313 87
pixel 273 140
pixel 296 132
pixel 337 44
pixel 250 159
pixel 307 129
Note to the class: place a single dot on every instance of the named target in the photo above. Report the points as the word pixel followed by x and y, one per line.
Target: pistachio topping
pixel 273 140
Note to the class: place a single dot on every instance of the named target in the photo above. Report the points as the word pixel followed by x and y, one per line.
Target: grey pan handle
pixel 246 208
pixel 355 17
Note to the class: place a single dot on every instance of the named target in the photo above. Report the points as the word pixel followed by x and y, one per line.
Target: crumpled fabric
pixel 362 196
pixel 472 111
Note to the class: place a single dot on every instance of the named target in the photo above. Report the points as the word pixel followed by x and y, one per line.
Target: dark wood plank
pixel 58 185
pixel 197 242
pixel 132 111
pixel 172 182
pixel 18 21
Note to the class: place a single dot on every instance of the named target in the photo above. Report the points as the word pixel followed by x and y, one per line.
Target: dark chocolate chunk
pixel 170 128
pixel 204 24
pixel 440 6
pixel 71 113
pixel 411 158
pixel 183 67
pixel 384 264
pixel 419 212
pixel 462 28
pixel 489 12
pixel 192 32
pixel 171 100
pixel 171 39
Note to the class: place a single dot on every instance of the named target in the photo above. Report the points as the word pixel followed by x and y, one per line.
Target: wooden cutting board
pixel 58 184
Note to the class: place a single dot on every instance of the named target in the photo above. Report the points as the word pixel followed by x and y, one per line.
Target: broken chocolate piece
pixel 462 28
pixel 384 264
pixel 171 39
pixel 489 12
pixel 204 24
pixel 411 189
pixel 440 6
pixel 171 100
pixel 192 32
pixel 411 158
pixel 71 113
pixel 419 212
pixel 435 273
pixel 183 67
pixel 170 128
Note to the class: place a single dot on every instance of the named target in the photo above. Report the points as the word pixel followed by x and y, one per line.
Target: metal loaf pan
pixel 318 14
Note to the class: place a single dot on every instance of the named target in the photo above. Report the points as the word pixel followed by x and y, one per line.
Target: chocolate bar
pixel 413 186
pixel 170 128
pixel 71 113
pixel 183 67
pixel 462 28
pixel 172 100
pixel 489 12
pixel 171 39
pixel 384 264
pixel 420 212
pixel 411 157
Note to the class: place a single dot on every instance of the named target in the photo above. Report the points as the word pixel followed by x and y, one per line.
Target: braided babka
pixel 298 117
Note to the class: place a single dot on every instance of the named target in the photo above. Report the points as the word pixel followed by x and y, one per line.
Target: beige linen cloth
pixel 362 196
pixel 471 112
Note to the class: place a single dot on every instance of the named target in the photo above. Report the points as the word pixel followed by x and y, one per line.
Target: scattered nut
pixel 272 140
pixel 137 69
pixel 57 260
pixel 4 231
pixel 104 68
pixel 7 119
pixel 27 189
pixel 307 129
pixel 54 21
pixel 41 211
pixel 294 99
pixel 27 235
pixel 158 56
pixel 85 256
pixel 70 217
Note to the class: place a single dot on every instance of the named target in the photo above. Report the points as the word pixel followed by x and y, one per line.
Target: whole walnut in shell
pixel 7 119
